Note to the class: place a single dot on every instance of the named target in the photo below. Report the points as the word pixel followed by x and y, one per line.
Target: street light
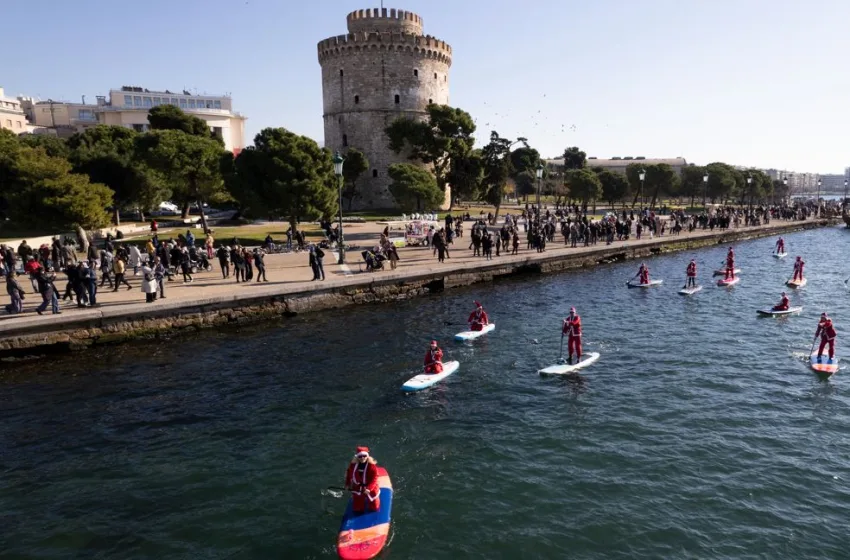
pixel 750 191
pixel 817 200
pixel 539 177
pixel 641 176
pixel 338 161
pixel 705 190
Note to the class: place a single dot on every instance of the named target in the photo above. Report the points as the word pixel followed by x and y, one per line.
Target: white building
pixel 12 115
pixel 619 164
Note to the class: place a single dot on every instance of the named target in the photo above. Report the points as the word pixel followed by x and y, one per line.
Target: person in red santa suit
pixel 783 304
pixel 572 328
pixel 361 479
pixel 780 246
pixel 798 269
pixel 478 318
pixel 692 274
pixel 827 336
pixel 643 274
pixel 434 359
pixel 730 264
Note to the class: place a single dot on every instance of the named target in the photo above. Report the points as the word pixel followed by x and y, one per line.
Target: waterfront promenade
pixel 290 277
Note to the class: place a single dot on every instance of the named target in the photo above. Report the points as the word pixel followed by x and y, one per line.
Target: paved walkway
pixel 290 273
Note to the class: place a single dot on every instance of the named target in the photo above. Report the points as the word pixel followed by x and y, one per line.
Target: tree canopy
pixel 414 188
pixel 355 165
pixel 169 117
pixel 52 145
pixel 465 176
pixel 496 156
pixel 574 158
pixel 584 185
pixel 615 186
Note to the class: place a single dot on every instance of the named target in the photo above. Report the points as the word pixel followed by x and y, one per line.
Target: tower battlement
pixel 384 19
pixel 355 43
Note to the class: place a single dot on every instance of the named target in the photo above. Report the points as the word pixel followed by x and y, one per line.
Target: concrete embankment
pixel 37 335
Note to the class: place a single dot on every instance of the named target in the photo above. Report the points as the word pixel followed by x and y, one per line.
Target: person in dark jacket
pixel 260 264
pixel 16 292
pixel 47 289
pixel 238 263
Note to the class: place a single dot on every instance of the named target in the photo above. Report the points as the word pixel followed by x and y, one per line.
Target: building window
pixel 217 104
pixel 430 102
pixel 9 123
pixel 157 101
pixel 397 99
pixel 435 75
pixel 139 127
pixel 174 101
pixel 345 140
pixel 374 173
pixel 416 72
pixel 217 131
pixel 148 102
pixel 191 103
pixel 137 101
pixel 128 100
pixel 18 124
pixel 182 103
pixel 341 73
pixel 356 99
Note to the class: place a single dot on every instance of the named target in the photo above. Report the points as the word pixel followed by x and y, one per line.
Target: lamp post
pixel 338 162
pixel 539 177
pixel 817 200
pixel 750 192
pixel 844 202
pixel 705 191
pixel 641 176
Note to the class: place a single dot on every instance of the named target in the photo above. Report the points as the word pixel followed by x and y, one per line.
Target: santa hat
pixel 362 451
pixel 572 309
pixel 477 304
pixel 433 343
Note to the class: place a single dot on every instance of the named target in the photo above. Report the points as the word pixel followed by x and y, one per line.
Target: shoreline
pixel 29 336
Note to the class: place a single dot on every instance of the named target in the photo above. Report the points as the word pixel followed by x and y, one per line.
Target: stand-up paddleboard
pixel 780 255
pixel 363 535
pixel 690 291
pixel 425 380
pixel 562 369
pixel 769 312
pixel 825 366
pixel 797 283
pixel 632 284
pixel 472 335
pixel 722 272
pixel 728 281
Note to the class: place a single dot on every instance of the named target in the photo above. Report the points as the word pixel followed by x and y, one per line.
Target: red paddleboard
pixel 363 535
pixel 825 366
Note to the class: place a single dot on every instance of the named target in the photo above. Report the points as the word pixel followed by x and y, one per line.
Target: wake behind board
pixel 472 335
pixel 363 535
pixel 690 291
pixel 825 366
pixel 722 272
pixel 780 255
pixel 797 283
pixel 728 281
pixel 769 312
pixel 650 284
pixel 562 369
pixel 425 380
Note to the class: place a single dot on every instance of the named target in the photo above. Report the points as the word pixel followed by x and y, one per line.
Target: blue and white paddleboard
pixel 562 369
pixel 650 284
pixel 770 312
pixel 472 335
pixel 690 291
pixel 780 255
pixel 425 380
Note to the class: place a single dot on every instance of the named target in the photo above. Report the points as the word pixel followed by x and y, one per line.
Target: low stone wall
pixel 93 327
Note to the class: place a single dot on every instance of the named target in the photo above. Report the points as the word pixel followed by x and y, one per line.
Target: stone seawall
pixel 27 336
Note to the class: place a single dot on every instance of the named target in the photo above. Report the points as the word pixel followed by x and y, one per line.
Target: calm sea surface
pixel 700 433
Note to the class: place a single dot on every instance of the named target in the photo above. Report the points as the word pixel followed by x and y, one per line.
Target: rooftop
pixel 137 89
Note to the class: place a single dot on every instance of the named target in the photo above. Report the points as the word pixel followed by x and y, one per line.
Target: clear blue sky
pixel 749 82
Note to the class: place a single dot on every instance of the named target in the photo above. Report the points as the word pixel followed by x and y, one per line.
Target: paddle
pixel 561 358
pixel 336 491
pixel 813 345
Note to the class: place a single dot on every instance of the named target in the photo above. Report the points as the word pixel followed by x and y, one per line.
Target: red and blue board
pixel 363 535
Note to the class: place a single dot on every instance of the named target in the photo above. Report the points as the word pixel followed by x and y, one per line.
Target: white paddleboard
pixel 780 255
pixel 562 369
pixel 424 380
pixel 651 283
pixel 825 366
pixel 472 335
pixel 797 284
pixel 770 312
pixel 690 291
pixel 722 272
pixel 730 282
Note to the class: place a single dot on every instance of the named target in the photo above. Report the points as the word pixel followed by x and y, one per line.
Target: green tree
pixel 584 184
pixel 525 159
pixel 496 156
pixel 780 189
pixel 52 145
pixel 286 174
pixel 633 171
pixel 191 165
pixel 465 176
pixel 447 134
pixel 693 185
pixel 661 180
pixel 107 154
pixel 41 191
pixel 721 180
pixel 169 117
pixel 355 165
pixel 525 184
pixel 615 186
pixel 414 188
pixel 574 158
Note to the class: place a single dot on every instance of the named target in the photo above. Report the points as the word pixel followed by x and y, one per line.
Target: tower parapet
pixel 384 19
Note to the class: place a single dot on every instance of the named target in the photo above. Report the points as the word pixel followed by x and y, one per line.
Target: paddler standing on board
pixel 478 319
pixel 572 328
pixel 783 304
pixel 692 274
pixel 780 246
pixel 643 274
pixel 434 359
pixel 730 264
pixel 827 335
pixel 361 479
pixel 798 270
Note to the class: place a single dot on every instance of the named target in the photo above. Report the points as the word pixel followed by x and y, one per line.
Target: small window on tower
pixel 374 173
pixel 435 75
pixel 415 72
pixel 430 102
pixel 397 99
pixel 345 140
pixel 341 73
pixel 356 99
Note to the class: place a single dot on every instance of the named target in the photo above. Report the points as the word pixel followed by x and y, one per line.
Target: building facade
pixel 12 115
pixel 383 69
pixel 619 164
pixel 129 106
